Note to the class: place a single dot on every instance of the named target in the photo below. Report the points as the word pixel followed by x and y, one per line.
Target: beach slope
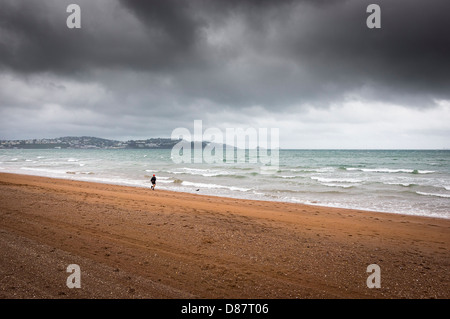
pixel 137 243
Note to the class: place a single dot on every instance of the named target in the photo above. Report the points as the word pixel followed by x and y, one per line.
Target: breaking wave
pixel 210 186
pixel 389 170
pixel 336 180
pixel 434 194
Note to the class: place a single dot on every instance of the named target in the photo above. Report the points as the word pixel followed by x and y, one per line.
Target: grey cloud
pixel 172 61
pixel 294 52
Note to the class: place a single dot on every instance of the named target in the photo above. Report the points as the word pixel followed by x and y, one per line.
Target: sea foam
pixel 389 170
pixel 434 194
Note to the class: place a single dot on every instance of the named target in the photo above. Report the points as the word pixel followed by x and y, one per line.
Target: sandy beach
pixel 137 243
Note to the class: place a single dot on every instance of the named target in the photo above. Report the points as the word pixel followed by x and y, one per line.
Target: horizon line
pixel 279 148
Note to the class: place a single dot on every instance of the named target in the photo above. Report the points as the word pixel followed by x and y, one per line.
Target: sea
pixel 412 182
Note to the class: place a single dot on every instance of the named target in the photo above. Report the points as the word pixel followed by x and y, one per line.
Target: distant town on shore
pixel 87 142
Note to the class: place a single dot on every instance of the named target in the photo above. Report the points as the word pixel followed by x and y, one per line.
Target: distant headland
pixel 88 142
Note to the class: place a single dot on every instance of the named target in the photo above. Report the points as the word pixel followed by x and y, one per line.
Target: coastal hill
pixel 88 142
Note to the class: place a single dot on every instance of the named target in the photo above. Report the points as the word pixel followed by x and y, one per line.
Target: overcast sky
pixel 313 69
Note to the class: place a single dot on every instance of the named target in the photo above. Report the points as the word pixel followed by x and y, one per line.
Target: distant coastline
pixel 90 142
pixel 87 142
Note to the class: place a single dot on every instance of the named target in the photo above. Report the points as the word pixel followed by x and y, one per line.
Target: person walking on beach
pixel 153 180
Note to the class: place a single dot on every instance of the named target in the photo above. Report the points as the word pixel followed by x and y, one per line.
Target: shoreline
pixel 132 242
pixel 231 197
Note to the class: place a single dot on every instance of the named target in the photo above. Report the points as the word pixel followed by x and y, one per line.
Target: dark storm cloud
pixel 35 37
pixel 162 57
pixel 173 18
pixel 407 57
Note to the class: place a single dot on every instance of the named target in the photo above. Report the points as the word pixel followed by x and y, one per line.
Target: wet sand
pixel 137 243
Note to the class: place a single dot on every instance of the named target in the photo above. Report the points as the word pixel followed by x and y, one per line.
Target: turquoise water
pixel 408 182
